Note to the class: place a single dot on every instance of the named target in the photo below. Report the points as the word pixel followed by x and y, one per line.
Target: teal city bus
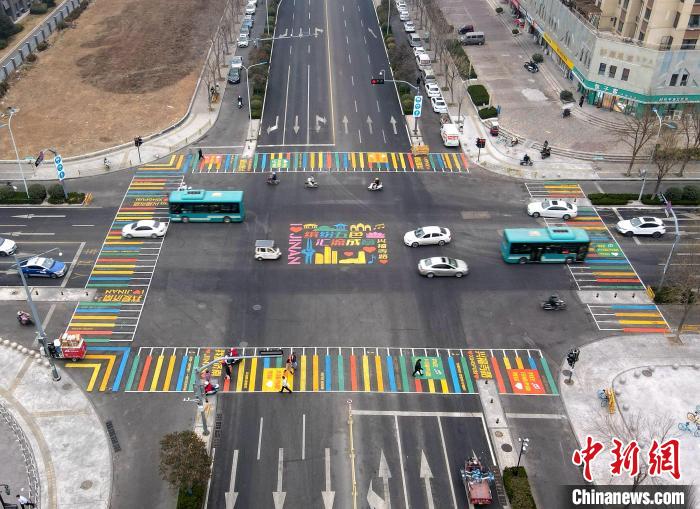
pixel 555 244
pixel 206 206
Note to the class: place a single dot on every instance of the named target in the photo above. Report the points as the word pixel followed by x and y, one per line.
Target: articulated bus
pixel 555 244
pixel 206 206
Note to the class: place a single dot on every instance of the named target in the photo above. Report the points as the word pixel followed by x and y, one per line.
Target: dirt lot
pixel 128 68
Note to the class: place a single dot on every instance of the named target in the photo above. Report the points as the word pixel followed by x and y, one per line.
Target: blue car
pixel 39 266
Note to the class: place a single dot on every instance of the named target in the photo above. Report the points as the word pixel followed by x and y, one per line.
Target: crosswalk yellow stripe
pixel 313 160
pixel 314 368
pixel 156 374
pixel 362 160
pixel 302 381
pixel 443 383
pixel 352 160
pixel 448 163
pixel 403 161
pixel 378 368
pixel 239 379
pixel 431 385
pixel 365 372
pixel 253 371
pixel 393 161
pixel 169 373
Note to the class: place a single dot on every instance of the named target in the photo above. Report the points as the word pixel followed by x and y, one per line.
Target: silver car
pixel 442 266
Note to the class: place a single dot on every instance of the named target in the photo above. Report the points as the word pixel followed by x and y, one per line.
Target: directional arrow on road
pixel 232 495
pixel 317 31
pixel 23 234
pixel 31 216
pixel 319 121
pixel 328 495
pixel 274 127
pixel 426 475
pixel 301 32
pixel 372 32
pixel 385 475
pixel 345 123
pixel 279 495
pixel 393 124
pixel 369 124
pixel 374 500
pixel 296 124
pixel 286 30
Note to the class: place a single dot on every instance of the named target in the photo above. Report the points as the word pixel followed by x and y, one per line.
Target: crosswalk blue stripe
pixel 453 372
pixel 329 374
pixel 390 371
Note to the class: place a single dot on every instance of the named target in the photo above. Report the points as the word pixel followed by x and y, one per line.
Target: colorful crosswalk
pixel 337 369
pixel 450 162
pixel 125 267
pixel 554 190
pixel 629 318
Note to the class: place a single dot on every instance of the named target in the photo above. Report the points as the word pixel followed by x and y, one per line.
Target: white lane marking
pixel 447 462
pixel 308 49
pixel 330 74
pixel 352 80
pixel 403 476
pixel 308 101
pixel 260 437
pixel 378 109
pixel 73 264
pixel 286 98
pixel 48 315
pixel 426 474
pixel 368 60
pixel 290 50
pixel 347 40
pixel 359 133
pixel 309 16
pixel 597 186
pixel 86 225
pixel 617 213
pixel 303 436
pixel 365 38
pixel 384 136
pixel 517 415
pixel 279 495
pixel 231 494
pixel 328 495
pixel 355 105
pixel 349 59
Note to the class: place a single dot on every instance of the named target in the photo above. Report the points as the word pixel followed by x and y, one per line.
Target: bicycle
pixel 694 416
pixel 688 426
pixel 603 397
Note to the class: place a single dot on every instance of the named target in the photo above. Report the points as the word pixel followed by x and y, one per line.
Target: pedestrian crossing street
pixel 449 162
pixel 332 369
pixel 124 267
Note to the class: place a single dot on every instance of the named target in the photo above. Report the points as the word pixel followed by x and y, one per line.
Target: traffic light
pixel 39 159
pixel 138 141
pixel 572 357
pixel 481 142
pixel 377 81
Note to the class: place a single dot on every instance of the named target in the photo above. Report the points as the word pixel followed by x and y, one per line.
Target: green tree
pixel 7 27
pixel 184 461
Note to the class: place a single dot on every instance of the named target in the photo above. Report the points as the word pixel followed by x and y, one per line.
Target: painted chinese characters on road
pixel 344 244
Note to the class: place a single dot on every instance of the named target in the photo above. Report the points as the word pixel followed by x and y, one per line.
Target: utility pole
pixel 669 209
pixel 10 112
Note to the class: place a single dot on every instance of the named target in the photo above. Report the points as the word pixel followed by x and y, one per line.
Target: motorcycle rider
pixel 311 182
pixel 240 102
pixel 545 146
pixel 23 317
pixel 375 183
pixel 272 178
pixel 526 159
pixel 554 301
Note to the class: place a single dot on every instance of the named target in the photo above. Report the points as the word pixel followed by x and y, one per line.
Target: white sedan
pixel 144 229
pixel 641 226
pixel 428 235
pixel 409 27
pixel 404 16
pixel 7 247
pixel 441 266
pixel 417 50
pixel 439 105
pixel 559 209
pixel 433 90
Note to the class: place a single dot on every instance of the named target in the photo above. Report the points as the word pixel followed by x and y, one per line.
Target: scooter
pixel 513 141
pixel 311 183
pixel 526 162
pixel 108 165
pixel 24 318
pixel 211 389
pixel 545 153
pixel 240 102
pixel 557 305
pixel 375 187
pixel 272 181
pixel 531 67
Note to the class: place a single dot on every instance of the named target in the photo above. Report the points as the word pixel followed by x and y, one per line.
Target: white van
pixel 414 40
pixel 450 135
pixel 423 60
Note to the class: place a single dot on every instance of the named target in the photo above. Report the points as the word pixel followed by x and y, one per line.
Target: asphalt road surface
pixel 319 92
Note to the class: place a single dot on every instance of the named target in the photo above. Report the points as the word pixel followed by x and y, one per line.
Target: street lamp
pixel 247 88
pixel 524 444
pixel 41 333
pixel 10 112
pixel 669 209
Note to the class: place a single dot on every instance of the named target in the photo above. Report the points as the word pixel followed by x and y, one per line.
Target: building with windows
pixel 15 8
pixel 622 54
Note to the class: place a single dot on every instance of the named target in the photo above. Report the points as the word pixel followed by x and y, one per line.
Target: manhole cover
pixel 507 447
pixel 499 434
pixel 257 307
pixel 67 387
pixel 646 372
pixel 86 485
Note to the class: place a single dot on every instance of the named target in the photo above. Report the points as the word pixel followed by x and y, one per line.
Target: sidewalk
pixel 63 447
pixel 655 383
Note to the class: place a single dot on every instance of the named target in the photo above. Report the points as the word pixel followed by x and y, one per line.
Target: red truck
pixel 476 481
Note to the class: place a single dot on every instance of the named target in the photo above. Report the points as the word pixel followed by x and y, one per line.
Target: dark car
pixel 234 76
pixel 466 29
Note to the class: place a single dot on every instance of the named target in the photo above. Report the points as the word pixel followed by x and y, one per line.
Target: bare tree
pixel 636 132
pixel 689 132
pixel 683 283
pixel 666 156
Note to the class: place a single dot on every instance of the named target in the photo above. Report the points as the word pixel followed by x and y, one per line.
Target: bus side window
pixel 214 207
pixel 201 208
pixel 519 249
pixel 175 208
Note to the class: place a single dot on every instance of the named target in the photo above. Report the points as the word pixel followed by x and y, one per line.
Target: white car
pixel 7 247
pixel 433 90
pixel 243 40
pixel 417 50
pixel 144 229
pixel 442 266
pixel 250 9
pixel 641 226
pixel 401 5
pixel 409 27
pixel 439 104
pixel 404 16
pixel 236 62
pixel 427 235
pixel 559 209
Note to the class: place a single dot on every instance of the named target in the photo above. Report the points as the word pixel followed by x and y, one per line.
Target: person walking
pixel 580 101
pixel 227 369
pixel 285 385
pixel 201 154
pixel 24 502
pixel 418 368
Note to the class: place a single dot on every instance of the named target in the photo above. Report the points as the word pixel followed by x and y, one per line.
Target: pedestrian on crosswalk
pixel 285 385
pixel 227 369
pixel 418 368
pixel 201 154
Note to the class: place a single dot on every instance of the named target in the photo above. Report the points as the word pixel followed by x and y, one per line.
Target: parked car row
pixel 562 209
pixel 247 24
